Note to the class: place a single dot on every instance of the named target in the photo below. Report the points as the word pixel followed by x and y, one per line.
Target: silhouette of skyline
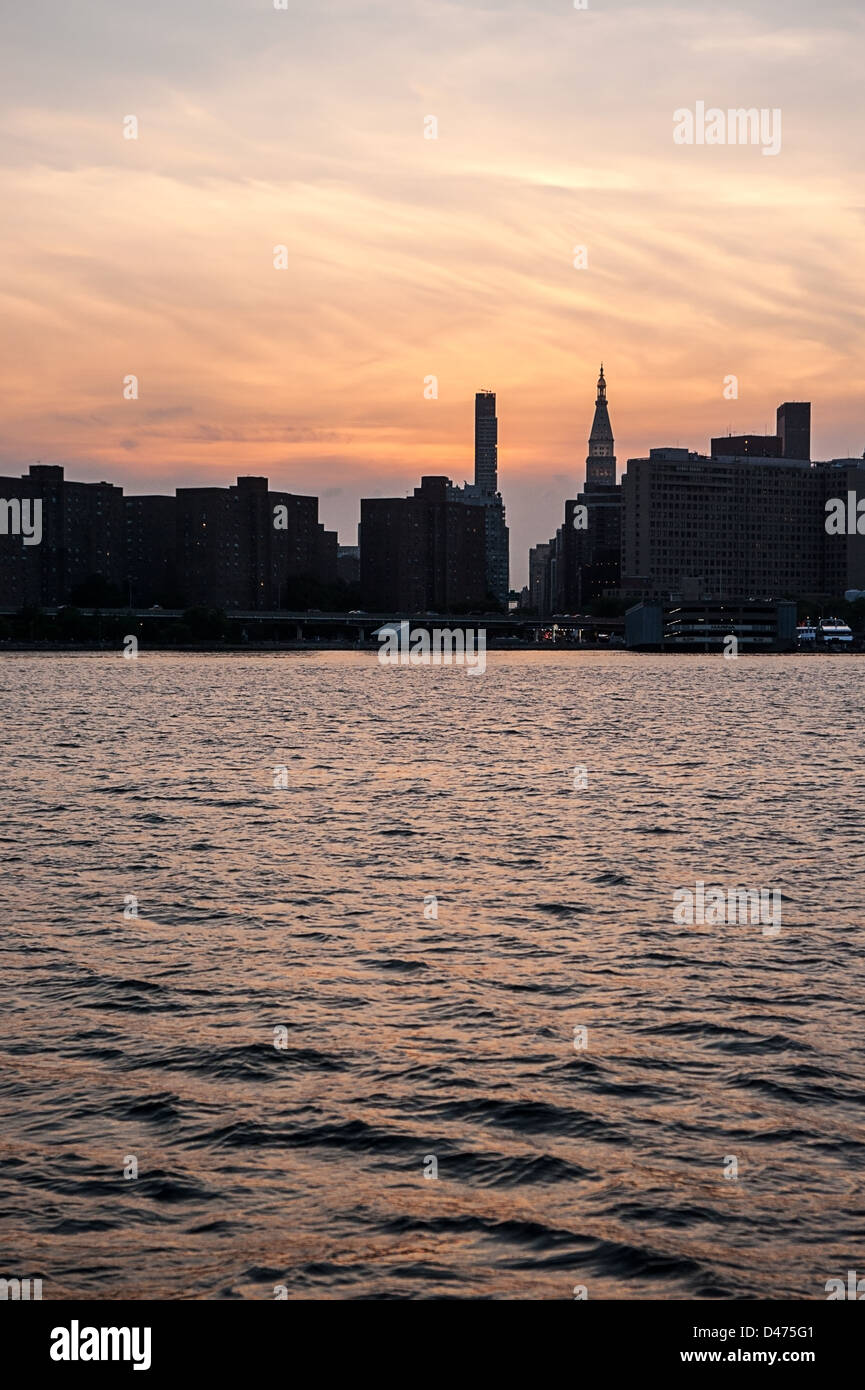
pixel 409 256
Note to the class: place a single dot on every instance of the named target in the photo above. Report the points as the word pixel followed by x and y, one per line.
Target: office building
pixel 721 527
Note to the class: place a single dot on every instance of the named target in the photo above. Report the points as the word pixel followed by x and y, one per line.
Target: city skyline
pixel 750 516
pixel 409 257
pixel 432 608
pixel 594 470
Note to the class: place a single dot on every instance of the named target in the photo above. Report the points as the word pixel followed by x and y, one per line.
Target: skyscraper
pixel 585 554
pixel 486 442
pixel 483 492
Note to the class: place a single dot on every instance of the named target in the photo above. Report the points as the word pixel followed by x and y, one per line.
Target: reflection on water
pixel 412 1035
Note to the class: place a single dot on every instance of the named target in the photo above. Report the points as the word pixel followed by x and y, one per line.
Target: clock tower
pixel 601 462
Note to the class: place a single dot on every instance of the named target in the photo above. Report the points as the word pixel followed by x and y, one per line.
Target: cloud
pixel 410 257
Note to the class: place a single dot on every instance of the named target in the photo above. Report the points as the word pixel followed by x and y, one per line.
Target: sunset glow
pixel 410 257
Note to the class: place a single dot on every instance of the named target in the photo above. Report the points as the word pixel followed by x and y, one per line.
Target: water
pixel 411 1037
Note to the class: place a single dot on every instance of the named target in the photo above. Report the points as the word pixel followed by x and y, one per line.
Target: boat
pixel 827 634
pixel 834 632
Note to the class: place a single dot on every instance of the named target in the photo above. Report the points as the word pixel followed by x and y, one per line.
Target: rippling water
pixel 411 1037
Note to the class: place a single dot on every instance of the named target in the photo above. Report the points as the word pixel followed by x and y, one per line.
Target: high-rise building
pixel 496 547
pixel 207 546
pixel 747 523
pixel 301 550
pixel 722 527
pixel 601 461
pixel 843 480
pixel 586 553
pixel 794 429
pixel 80 556
pixel 483 492
pixel 746 526
pixel 486 442
pixel 245 546
pixel 23 564
pixel 791 440
pixel 150 547
pixel 424 553
pixel 539 577
pixel 599 541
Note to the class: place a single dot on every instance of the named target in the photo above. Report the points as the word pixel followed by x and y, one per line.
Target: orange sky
pixel 410 257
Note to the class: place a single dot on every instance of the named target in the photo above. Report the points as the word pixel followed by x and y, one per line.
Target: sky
pixel 409 257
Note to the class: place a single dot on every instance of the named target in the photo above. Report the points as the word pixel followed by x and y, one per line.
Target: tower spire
pixel 601 462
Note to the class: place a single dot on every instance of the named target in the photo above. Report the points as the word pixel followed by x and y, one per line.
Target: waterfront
pixel 409 1036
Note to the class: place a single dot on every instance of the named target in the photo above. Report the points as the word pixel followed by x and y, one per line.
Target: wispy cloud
pixel 408 257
